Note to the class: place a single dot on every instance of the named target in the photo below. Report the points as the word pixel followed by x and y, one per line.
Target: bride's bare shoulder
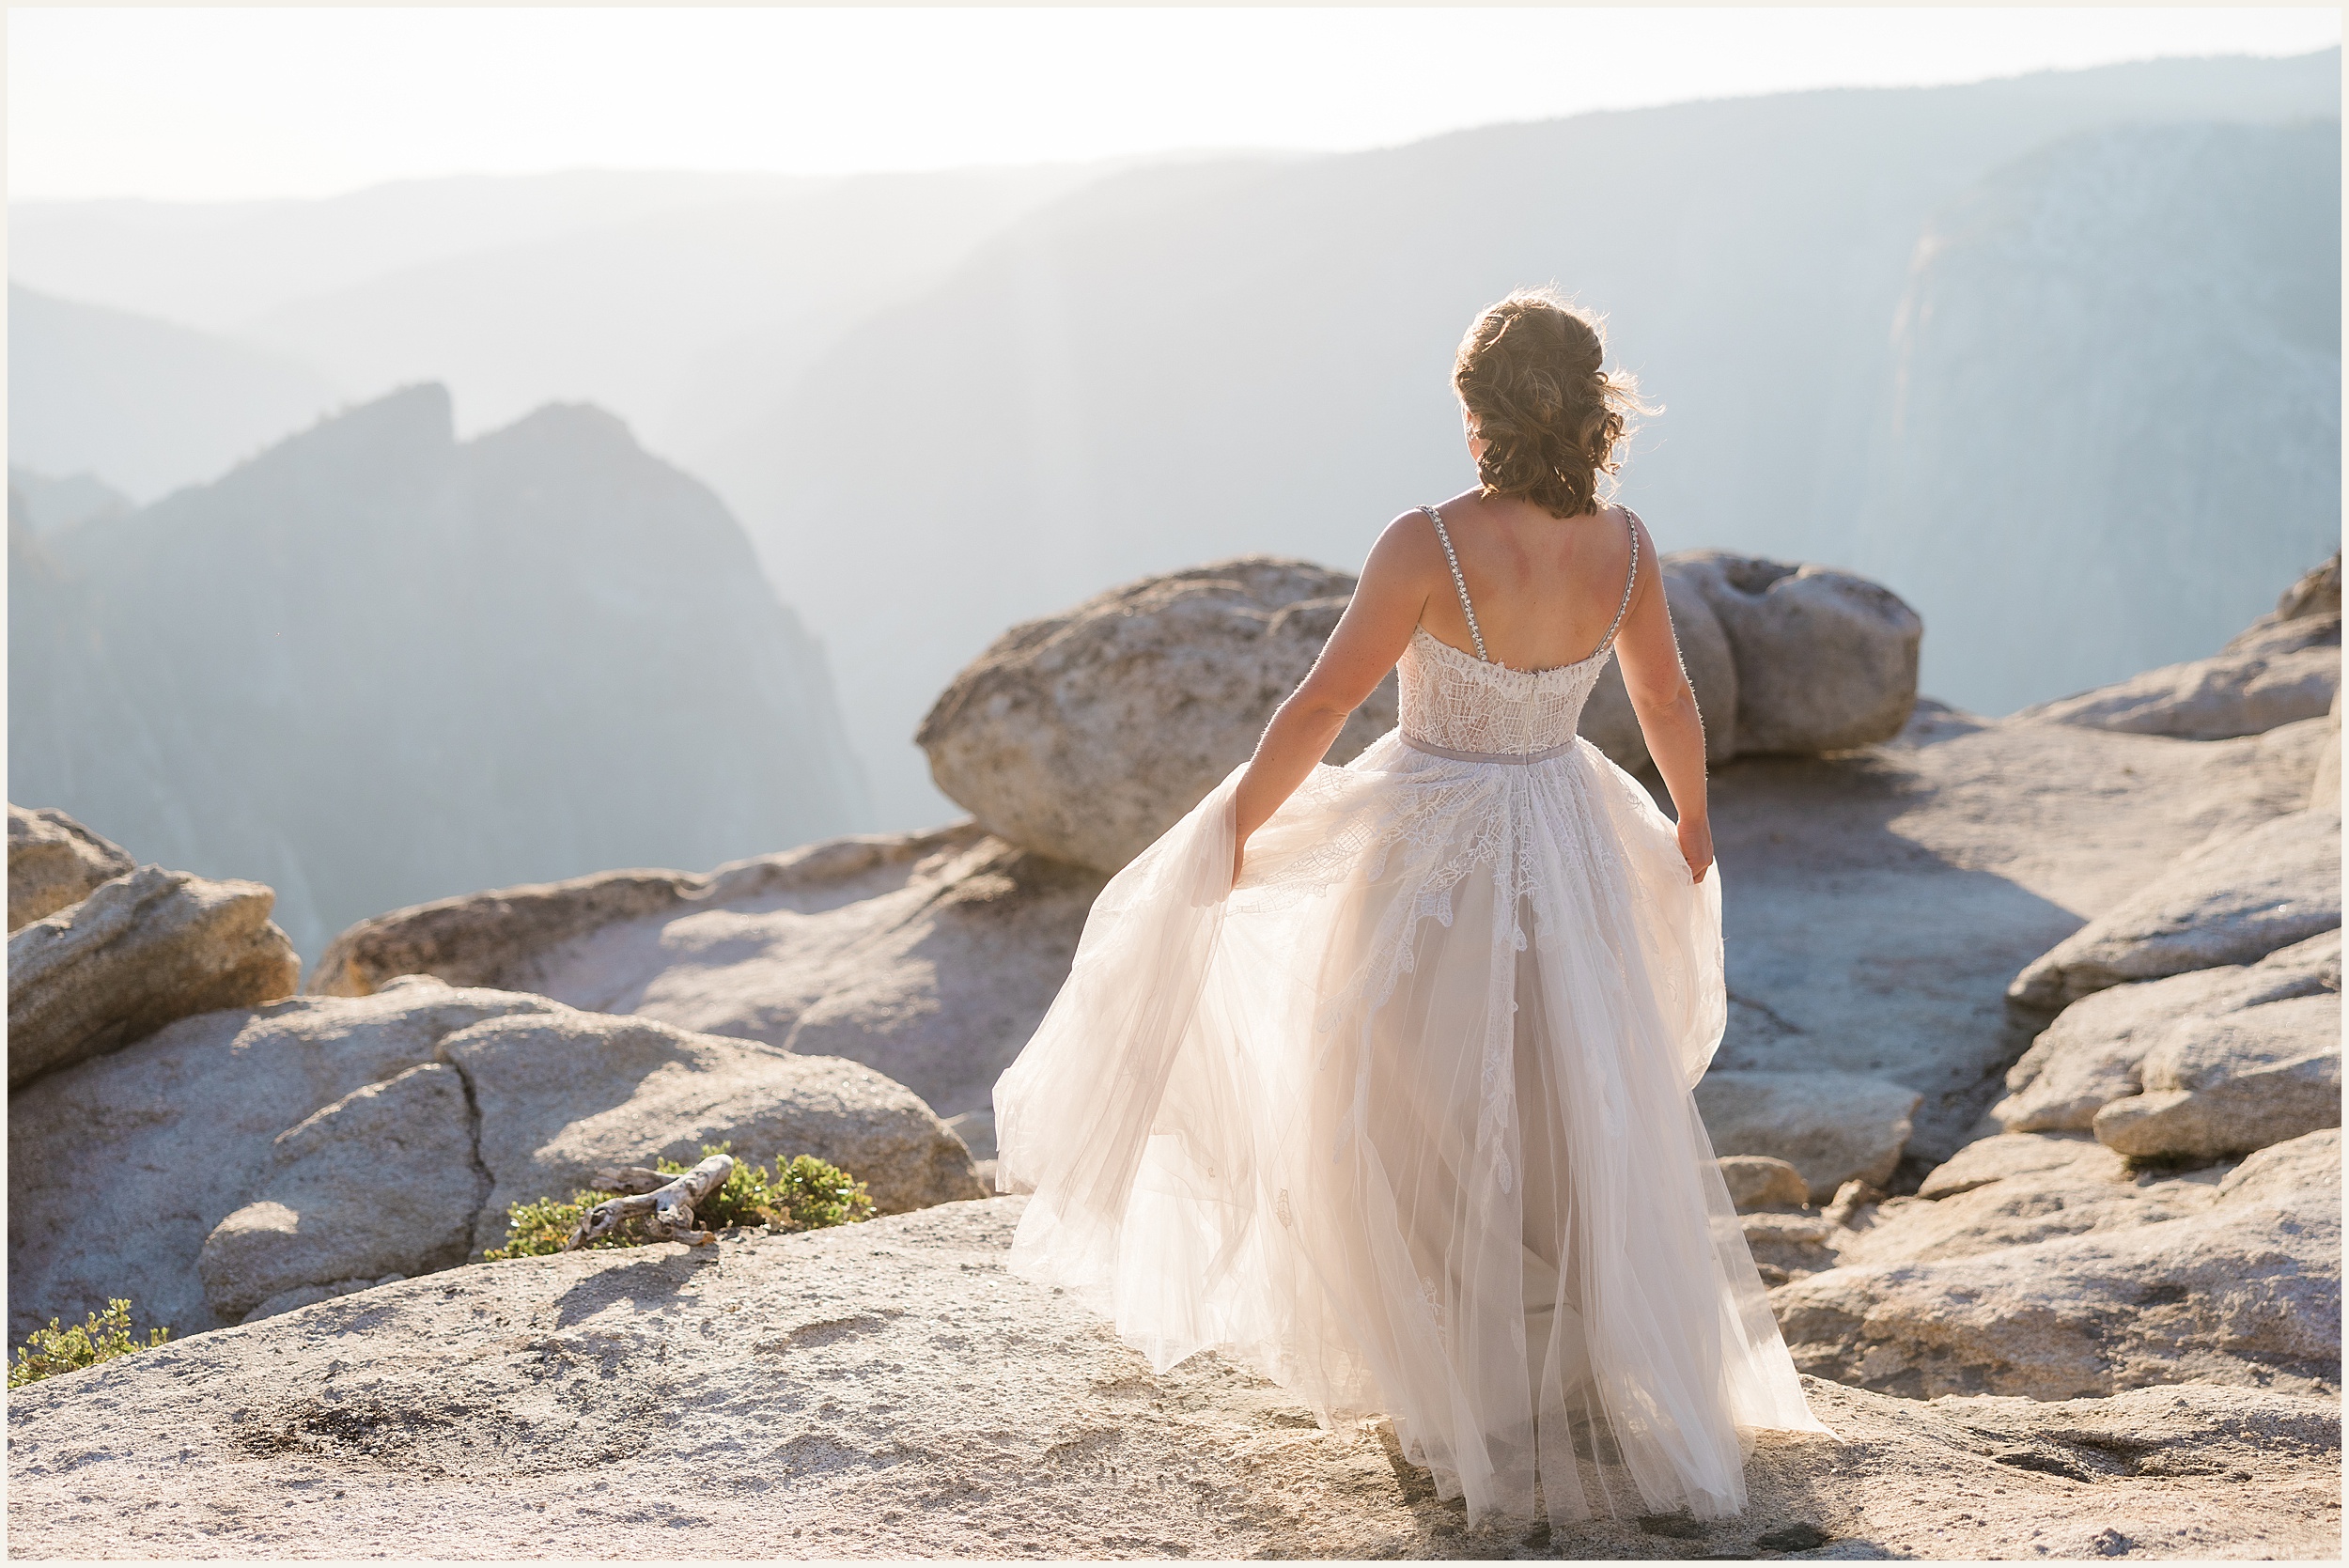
pixel 1407 549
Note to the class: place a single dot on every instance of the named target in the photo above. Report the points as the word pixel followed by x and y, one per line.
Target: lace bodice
pixel 1455 701
pixel 1462 702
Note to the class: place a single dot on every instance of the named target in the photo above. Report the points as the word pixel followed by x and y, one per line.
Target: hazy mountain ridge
pixel 378 666
pixel 140 404
pixel 643 316
pixel 72 724
pixel 215 265
pixel 2117 403
pixel 1157 370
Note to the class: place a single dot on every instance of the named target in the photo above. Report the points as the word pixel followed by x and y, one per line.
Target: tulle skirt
pixel 1403 1119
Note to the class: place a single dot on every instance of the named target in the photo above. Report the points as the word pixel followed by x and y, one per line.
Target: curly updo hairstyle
pixel 1551 419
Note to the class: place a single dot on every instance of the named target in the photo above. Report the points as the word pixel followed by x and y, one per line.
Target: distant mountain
pixel 141 405
pixel 218 265
pixel 688 322
pixel 1182 363
pixel 73 728
pixel 377 666
pixel 2115 420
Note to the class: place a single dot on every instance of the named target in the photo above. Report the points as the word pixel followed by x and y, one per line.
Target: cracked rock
pixel 185 1126
pixel 2094 1051
pixel 382 1181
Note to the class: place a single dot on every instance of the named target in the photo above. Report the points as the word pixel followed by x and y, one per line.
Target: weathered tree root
pixel 663 1202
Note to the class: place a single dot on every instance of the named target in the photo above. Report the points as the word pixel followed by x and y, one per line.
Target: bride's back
pixel 1545 589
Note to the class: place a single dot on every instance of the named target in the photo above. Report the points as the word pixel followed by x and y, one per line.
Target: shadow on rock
pixel 653 1283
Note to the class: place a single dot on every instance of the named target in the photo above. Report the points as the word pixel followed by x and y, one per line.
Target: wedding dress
pixel 1403 1119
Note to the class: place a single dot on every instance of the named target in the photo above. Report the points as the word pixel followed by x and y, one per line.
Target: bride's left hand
pixel 1696 845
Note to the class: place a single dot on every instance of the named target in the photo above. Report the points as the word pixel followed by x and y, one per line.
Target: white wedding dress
pixel 1403 1119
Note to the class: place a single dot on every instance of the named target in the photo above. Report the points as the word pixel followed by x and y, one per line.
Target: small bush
pixel 47 1352
pixel 534 1229
pixel 803 1193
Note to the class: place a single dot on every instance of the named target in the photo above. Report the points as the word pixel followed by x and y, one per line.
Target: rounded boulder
pixel 1084 736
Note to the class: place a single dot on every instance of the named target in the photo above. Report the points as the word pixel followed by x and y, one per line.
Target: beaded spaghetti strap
pixel 1457 581
pixel 1628 582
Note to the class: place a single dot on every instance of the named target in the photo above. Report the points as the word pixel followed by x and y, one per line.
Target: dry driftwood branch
pixel 666 1207
pixel 629 1179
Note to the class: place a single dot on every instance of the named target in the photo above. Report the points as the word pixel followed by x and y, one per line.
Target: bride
pixel 1378 1076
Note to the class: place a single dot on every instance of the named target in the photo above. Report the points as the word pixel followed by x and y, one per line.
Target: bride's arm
pixel 1666 705
pixel 1369 637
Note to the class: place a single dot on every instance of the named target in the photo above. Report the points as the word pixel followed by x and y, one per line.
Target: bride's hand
pixel 1696 847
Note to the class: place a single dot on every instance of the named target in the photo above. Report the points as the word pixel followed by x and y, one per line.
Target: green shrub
pixel 47 1352
pixel 534 1229
pixel 803 1193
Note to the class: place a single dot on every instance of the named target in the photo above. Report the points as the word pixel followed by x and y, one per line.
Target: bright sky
pixel 195 104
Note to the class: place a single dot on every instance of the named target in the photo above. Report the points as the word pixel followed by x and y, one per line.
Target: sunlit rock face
pixel 375 665
pixel 2115 415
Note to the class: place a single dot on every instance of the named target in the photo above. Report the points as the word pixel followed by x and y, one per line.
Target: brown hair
pixel 1528 372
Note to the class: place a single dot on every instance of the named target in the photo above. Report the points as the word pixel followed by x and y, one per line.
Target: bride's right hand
pixel 1696 845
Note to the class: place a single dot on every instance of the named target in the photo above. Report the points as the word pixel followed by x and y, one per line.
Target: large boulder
pixel 1084 736
pixel 2233 900
pixel 2217 1087
pixel 1826 659
pixel 138 952
pixel 888 1390
pixel 929 956
pixel 2245 1288
pixel 1607 720
pixel 564 1094
pixel 53 861
pixel 252 1153
pixel 1832 1127
pixel 2094 1053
